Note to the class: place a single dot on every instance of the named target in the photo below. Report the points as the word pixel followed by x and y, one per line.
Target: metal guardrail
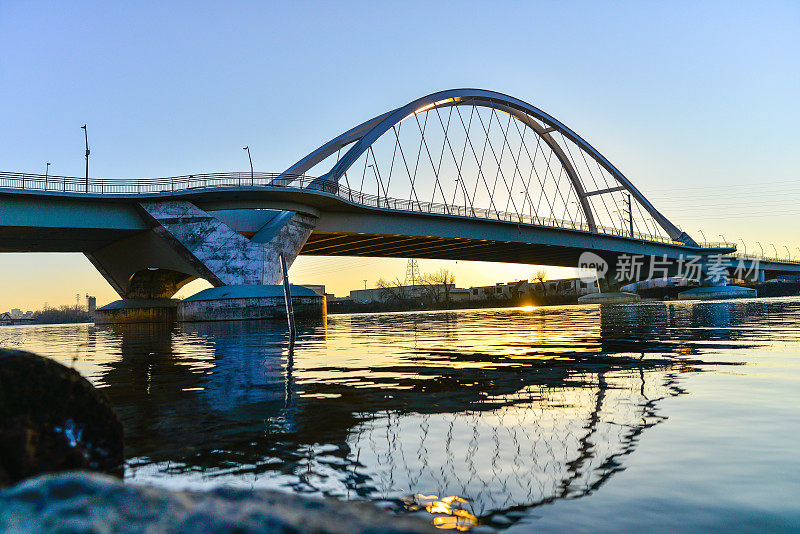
pixel 765 258
pixel 262 180
pixel 717 244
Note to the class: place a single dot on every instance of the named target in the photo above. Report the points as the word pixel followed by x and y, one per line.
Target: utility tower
pixel 412 272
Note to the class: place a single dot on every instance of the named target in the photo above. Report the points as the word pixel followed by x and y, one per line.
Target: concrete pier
pixel 609 298
pixel 236 303
pixel 137 311
pixel 718 292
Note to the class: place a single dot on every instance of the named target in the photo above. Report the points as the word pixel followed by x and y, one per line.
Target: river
pixel 665 416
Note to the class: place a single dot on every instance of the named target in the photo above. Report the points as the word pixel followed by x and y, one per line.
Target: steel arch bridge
pixel 482 147
pixel 462 174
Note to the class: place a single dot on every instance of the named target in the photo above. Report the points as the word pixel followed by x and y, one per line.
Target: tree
pixel 438 285
pixel 392 290
pixel 539 277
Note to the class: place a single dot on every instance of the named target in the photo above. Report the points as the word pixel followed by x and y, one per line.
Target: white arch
pixel 364 135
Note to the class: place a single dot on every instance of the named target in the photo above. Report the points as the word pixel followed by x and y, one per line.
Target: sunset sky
pixel 696 102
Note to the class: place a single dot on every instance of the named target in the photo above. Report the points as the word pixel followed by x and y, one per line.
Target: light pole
pixel 775 249
pixel 630 214
pixel 789 254
pixel 46 173
pixel 704 235
pixel 86 138
pixel 251 164
pixel 762 248
pixel 723 238
pixel 745 246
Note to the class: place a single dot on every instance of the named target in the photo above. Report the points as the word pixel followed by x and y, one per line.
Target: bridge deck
pixel 54 214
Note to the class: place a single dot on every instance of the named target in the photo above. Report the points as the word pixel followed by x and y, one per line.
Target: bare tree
pixel 392 289
pixel 437 286
pixel 539 277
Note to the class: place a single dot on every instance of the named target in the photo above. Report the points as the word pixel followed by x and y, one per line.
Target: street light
pixel 762 248
pixel 704 235
pixel 251 163
pixel 745 246
pixel 789 254
pixel 86 138
pixel 723 238
pixel 775 249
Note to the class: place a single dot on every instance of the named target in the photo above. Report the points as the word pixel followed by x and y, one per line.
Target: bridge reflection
pixel 453 405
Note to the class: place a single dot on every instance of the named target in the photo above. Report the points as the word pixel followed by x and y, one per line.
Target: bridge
pixel 460 174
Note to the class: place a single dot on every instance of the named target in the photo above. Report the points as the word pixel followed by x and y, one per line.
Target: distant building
pixel 16 313
pixel 316 288
pixel 91 304
pixel 459 295
pixel 419 293
pixel 319 289
pixel 567 286
pixel 500 291
pixel 513 290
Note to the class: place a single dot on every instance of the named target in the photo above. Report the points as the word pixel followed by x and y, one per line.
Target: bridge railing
pixel 766 258
pixel 71 184
pixel 717 244
pixel 261 180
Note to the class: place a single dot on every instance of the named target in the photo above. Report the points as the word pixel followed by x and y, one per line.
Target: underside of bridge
pixel 444 248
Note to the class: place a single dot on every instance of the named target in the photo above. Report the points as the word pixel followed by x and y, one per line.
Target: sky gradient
pixel 697 103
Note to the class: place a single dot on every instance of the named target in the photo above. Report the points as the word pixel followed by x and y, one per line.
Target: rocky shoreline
pixel 94 502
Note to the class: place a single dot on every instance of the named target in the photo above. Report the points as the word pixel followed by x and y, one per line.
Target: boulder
pixel 92 502
pixel 52 419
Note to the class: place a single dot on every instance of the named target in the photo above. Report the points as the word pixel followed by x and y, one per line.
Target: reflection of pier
pixel 547 413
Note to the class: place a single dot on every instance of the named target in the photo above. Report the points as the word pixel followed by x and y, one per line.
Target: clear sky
pixel 698 103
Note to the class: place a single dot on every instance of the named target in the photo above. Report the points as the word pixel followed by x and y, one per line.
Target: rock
pixel 52 419
pixel 92 502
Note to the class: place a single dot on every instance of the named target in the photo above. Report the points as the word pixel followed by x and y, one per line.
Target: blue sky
pixel 696 102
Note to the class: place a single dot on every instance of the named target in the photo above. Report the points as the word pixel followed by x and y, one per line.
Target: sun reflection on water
pixel 448 512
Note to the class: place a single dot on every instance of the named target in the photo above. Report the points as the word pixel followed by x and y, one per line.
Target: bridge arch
pixel 594 182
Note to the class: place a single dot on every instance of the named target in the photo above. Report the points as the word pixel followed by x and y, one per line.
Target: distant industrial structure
pixel 16 316
pixel 501 291
pixel 62 314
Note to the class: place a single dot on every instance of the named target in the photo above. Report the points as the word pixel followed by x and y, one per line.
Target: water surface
pixel 664 416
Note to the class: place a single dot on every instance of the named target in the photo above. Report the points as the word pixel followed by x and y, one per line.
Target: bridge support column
pixel 619 271
pixel 195 244
pixel 714 286
pixel 222 256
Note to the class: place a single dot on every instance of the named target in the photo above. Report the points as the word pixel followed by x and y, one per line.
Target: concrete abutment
pixel 185 243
